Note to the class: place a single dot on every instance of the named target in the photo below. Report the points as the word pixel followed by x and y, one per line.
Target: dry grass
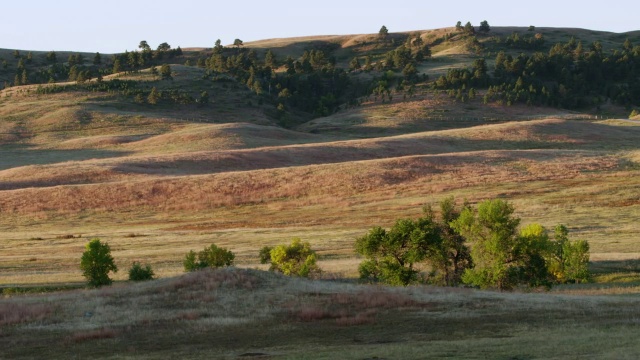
pixel 200 313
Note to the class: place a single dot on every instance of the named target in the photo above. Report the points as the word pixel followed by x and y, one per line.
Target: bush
pixel 211 256
pixel 96 263
pixel 297 259
pixel 634 113
pixel 139 273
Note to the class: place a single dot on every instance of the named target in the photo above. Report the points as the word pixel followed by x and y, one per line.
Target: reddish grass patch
pixel 98 334
pixel 351 309
pixel 11 313
pixel 213 279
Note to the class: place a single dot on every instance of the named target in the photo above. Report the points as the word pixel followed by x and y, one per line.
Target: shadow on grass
pixel 17 156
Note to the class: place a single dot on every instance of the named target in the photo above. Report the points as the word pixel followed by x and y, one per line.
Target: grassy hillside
pixel 199 316
pixel 156 179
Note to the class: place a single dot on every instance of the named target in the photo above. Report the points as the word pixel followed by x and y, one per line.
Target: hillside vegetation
pixel 159 152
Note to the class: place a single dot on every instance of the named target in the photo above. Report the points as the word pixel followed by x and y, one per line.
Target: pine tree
pixel 154 96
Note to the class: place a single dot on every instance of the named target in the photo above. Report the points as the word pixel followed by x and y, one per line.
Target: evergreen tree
pixel 484 27
pixel 97 59
pixel 154 96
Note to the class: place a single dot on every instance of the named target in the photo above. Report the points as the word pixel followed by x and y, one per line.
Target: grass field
pixel 158 181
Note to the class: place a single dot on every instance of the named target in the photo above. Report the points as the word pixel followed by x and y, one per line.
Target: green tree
pixel 484 27
pixel 504 257
pixel 459 26
pixel 570 260
pixel 238 43
pixel 117 66
pixel 29 57
pixel 211 257
pixel 97 59
pixel 139 273
pixel 296 259
pixel 97 262
pixel 165 72
pixel 391 256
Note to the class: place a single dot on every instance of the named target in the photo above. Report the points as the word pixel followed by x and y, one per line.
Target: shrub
pixel 634 113
pixel 211 256
pixel 97 262
pixel 139 273
pixel 297 259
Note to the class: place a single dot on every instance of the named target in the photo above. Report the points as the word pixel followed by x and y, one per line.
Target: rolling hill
pixel 225 155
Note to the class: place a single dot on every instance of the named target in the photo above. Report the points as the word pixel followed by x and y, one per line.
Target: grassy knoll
pixel 199 316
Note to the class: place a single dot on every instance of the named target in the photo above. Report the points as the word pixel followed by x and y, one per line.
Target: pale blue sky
pixel 118 25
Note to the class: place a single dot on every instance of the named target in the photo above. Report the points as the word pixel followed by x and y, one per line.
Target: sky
pixel 119 25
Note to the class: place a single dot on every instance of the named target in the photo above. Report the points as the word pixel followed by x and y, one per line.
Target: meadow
pixel 158 181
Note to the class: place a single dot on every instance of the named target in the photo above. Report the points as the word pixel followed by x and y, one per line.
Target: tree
pixel 354 64
pixel 212 256
pixel 165 72
pixel 139 273
pixel 469 29
pixel 296 259
pixel 394 256
pixel 164 47
pixel 531 28
pixel 459 26
pixel 384 32
pixel 97 262
pixel 391 255
pixel 97 59
pixel 154 96
pixel 504 257
pixel 117 66
pixel 30 57
pixel 52 57
pixel 204 98
pixel 270 59
pixel 144 46
pixel 238 43
pixel 484 27
pixel 570 260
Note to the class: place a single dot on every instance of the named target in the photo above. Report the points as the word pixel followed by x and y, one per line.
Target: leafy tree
pixel 97 262
pixel 505 257
pixel 391 255
pixel 165 72
pixel 484 27
pixel 238 43
pixel 212 256
pixel 296 259
pixel 139 273
pixel 493 230
pixel 459 26
pixel 570 260
pixel 531 28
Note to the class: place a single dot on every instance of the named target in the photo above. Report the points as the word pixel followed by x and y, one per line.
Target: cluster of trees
pixel 296 259
pixel 311 83
pixel 503 256
pixel 96 264
pixel 515 41
pixel 432 249
pixel 569 75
